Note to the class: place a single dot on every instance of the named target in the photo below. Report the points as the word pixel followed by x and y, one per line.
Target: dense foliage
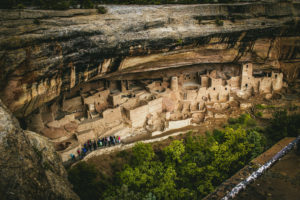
pixel 188 169
pixel 283 125
pixel 87 181
pixel 65 4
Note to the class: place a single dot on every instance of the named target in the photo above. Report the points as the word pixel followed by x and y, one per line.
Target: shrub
pixel 245 120
pixel 63 5
pixel 20 6
pixel 260 106
pixel 258 114
pixel 218 135
pixel 283 125
pixel 55 5
pixel 36 22
pixel 142 153
pixel 87 4
pixel 179 41
pixel 84 177
pixel 219 22
pixel 232 120
pixel 102 10
pixel 123 154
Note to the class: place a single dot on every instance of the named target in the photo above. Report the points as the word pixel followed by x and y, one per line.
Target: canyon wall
pixel 78 75
pixel 47 53
pixel 29 166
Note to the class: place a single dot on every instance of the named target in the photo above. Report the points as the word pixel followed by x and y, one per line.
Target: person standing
pixel 111 140
pixel 84 150
pixel 108 140
pixel 105 141
pixel 90 145
pixel 114 139
pixel 99 143
pixel 78 152
pixel 95 144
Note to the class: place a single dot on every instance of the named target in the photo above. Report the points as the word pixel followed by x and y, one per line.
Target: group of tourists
pixel 91 145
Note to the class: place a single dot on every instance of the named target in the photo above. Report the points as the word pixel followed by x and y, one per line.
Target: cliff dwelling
pixel 126 107
pixel 203 89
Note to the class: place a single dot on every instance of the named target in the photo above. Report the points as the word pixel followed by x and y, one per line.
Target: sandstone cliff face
pixel 29 166
pixel 45 53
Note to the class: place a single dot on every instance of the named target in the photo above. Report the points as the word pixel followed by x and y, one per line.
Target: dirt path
pixel 105 156
pixel 198 128
pixel 129 143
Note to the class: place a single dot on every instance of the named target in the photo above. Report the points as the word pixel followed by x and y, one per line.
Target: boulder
pixel 30 167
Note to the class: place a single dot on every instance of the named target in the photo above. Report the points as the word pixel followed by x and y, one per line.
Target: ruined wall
pixel 111 115
pixel 138 115
pixel 84 136
pixel 44 65
pixel 155 106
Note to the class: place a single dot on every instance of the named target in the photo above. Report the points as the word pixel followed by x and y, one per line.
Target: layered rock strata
pixel 46 53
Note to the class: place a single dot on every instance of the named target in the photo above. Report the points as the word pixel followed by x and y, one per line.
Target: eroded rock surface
pixel 29 166
pixel 46 53
pixel 78 75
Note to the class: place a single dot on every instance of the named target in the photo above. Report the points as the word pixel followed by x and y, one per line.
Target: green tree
pixel 283 125
pixel 84 178
pixel 174 151
pixel 87 4
pixel 123 193
pixel 188 169
pixel 142 153
pixel 166 188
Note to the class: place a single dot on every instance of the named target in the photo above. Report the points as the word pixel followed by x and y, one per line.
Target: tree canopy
pixel 186 169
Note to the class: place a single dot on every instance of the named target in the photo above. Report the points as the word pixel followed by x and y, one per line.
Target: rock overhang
pixel 134 39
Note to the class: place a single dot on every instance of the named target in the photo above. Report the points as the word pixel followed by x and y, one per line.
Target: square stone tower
pixel 246 79
pixel 174 83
